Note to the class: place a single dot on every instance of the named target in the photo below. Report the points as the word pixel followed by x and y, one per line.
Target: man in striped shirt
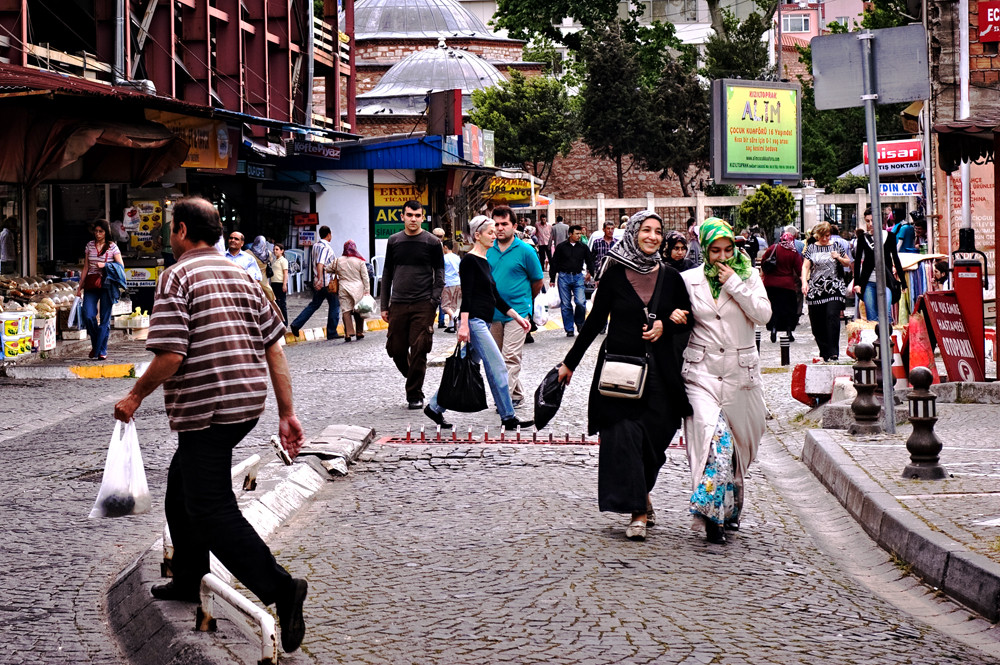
pixel 215 336
pixel 323 262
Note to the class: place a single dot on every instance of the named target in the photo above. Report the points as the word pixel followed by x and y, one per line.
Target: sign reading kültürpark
pixel 389 200
pixel 756 131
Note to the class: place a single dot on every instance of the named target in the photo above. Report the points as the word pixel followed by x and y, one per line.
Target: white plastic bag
pixel 553 296
pixel 365 305
pixel 123 489
pixel 75 319
pixel 541 312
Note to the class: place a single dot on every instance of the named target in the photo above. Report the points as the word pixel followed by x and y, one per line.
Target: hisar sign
pixel 756 131
pixel 897 157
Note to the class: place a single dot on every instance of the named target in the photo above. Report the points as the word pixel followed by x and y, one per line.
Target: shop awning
pixel 38 138
pixel 967 140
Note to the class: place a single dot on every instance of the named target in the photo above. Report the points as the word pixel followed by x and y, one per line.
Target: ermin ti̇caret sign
pixel 952 336
pixel 989 21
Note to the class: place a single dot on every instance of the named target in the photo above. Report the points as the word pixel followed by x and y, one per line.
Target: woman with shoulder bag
pixel 864 270
pixel 98 253
pixel 648 305
pixel 722 376
pixel 781 272
pixel 352 285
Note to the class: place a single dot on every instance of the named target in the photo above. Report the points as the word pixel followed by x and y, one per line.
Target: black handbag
pixel 462 388
pixel 770 264
pixel 625 376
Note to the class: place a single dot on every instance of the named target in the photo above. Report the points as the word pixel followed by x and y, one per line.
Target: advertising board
pixel 389 200
pixel 952 336
pixel 756 131
pixel 897 157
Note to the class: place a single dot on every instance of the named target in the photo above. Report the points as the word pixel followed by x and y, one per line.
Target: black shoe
pixel 416 405
pixel 171 591
pixel 347 339
pixel 528 339
pixel 436 417
pixel 774 336
pixel 791 337
pixel 714 533
pixel 732 525
pixel 513 423
pixel 295 331
pixel 289 608
pixel 570 333
pixel 335 337
pixel 450 330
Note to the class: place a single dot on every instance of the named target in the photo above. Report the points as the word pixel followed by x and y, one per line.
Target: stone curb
pixel 969 578
pixel 153 632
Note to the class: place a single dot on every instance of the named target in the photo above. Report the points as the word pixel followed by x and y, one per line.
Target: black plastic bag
pixel 462 388
pixel 548 397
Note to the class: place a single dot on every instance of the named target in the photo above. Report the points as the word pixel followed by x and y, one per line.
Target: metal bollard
pixel 756 334
pixel 786 355
pixel 923 445
pixel 865 407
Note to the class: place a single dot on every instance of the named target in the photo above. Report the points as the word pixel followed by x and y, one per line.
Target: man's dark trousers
pixel 410 337
pixel 204 517
pixel 332 315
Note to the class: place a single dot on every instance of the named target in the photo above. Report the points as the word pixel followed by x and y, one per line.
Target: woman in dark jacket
pixel 635 432
pixel 864 269
pixel 782 283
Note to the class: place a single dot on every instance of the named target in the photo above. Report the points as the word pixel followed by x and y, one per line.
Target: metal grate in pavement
pixel 437 437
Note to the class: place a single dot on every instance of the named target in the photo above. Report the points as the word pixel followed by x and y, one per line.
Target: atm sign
pixel 989 21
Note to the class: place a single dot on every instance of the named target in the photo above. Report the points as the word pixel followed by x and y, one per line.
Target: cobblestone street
pixel 472 553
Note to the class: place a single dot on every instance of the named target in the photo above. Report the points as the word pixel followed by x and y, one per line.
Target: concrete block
pixel 946 392
pixel 352 432
pixel 927 552
pixel 837 415
pixel 969 392
pixel 820 378
pixel 974 580
pixel 843 389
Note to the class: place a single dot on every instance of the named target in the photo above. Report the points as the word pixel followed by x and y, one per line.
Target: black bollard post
pixel 865 407
pixel 786 355
pixel 923 445
pixel 756 333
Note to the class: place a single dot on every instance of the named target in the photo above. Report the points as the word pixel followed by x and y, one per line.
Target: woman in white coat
pixel 722 377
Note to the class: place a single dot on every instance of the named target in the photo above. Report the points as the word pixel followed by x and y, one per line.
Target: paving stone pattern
pixel 453 554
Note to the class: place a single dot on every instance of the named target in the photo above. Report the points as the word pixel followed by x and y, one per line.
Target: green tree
pixel 614 105
pixel 677 137
pixel 737 51
pixel 848 184
pixel 532 118
pixel 526 19
pixel 768 208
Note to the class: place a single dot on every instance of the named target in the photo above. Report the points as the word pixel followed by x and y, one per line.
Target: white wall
pixel 344 206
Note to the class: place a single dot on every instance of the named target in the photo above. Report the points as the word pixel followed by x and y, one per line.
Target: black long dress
pixel 634 433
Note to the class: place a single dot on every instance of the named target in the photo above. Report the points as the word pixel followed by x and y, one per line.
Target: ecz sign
pixel 989 21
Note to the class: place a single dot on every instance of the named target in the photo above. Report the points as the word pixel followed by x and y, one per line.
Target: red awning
pixel 967 140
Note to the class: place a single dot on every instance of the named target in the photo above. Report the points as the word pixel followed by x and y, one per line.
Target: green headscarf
pixel 711 230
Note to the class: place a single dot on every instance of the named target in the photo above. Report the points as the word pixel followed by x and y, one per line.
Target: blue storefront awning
pixel 420 152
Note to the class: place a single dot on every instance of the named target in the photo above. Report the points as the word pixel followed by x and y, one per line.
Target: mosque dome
pixel 404 87
pixel 396 19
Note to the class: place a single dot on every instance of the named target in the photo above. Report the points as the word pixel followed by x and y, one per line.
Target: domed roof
pixel 406 84
pixel 416 18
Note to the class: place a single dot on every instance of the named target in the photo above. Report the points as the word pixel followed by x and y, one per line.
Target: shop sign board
pixel 306 219
pixel 899 188
pixel 313 149
pixel 952 336
pixel 139 277
pixel 307 238
pixel 143 220
pixel 989 21
pixel 257 171
pixel 389 200
pixel 208 140
pixel 507 191
pixel 756 130
pixel 897 157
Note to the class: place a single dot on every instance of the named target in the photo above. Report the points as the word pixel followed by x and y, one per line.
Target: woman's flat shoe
pixel 102 357
pixel 93 354
pixel 650 516
pixel 636 530
pixel 360 336
pixel 714 533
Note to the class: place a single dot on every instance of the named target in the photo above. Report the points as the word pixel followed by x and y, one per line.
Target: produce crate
pixel 121 322
pixel 74 334
pixel 121 307
pixel 138 333
pixel 138 322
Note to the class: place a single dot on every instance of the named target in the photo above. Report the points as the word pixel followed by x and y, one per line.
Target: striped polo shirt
pixel 210 311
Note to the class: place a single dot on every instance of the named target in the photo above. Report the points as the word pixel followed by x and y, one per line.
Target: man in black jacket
pixel 571 264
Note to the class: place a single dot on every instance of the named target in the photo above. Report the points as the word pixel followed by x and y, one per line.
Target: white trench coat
pixel 722 368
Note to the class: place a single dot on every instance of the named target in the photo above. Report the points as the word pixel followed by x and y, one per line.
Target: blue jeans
pixel 868 295
pixel 332 314
pixel 572 284
pixel 99 329
pixel 483 347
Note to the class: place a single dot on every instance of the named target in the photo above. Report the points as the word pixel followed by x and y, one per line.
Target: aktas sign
pixel 897 157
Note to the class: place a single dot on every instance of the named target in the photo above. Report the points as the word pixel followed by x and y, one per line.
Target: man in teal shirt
pixel 519 277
